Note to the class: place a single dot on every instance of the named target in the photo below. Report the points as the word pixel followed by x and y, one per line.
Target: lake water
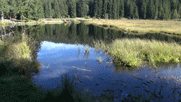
pixel 67 49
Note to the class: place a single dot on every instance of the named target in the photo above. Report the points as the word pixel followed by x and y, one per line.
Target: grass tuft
pixel 16 54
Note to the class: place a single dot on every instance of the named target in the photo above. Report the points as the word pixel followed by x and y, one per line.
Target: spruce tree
pixel 47 8
pixel 38 10
pixel 56 9
pixel 160 10
pixel 104 8
pixel 136 15
pixel 166 7
pixel 82 8
pixel 71 8
pixel 121 8
pixel 22 9
pixel 179 10
pixel 143 10
pixel 156 9
pixel 151 10
pixel 100 5
pixel 109 9
pixel 174 14
pixel 114 9
pixel 13 8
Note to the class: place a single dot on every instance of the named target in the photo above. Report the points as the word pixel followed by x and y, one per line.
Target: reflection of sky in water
pixel 58 59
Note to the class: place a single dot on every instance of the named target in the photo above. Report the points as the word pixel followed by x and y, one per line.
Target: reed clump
pixel 134 52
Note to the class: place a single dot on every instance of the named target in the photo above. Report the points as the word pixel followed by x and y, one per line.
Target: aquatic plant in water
pixel 87 48
pixel 99 59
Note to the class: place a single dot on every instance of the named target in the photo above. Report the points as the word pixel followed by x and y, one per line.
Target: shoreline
pixel 41 21
pixel 127 26
pixel 139 26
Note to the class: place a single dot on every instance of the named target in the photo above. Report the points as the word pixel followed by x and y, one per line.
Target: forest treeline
pixel 112 9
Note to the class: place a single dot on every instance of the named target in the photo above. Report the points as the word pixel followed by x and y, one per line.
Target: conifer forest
pixel 109 9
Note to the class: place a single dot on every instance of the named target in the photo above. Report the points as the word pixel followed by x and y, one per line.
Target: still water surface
pixel 62 50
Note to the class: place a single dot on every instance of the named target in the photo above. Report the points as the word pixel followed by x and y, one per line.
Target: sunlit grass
pixel 16 55
pixel 139 26
pixel 134 52
pixel 15 48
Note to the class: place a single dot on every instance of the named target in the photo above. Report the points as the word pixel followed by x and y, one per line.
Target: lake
pixel 68 49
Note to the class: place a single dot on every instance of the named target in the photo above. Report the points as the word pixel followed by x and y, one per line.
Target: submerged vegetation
pixel 99 60
pixel 134 52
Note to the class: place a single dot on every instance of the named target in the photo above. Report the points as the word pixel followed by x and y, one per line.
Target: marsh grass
pixel 139 26
pixel 134 52
pixel 16 47
pixel 16 55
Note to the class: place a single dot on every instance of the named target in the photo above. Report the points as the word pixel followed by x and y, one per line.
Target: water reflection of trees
pixel 84 34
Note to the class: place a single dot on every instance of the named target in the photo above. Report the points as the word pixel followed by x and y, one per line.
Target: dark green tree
pixel 135 15
pixel 82 8
pixel 121 8
pixel 35 10
pixel 167 11
pixel 22 9
pixel 56 8
pixel 174 14
pixel 179 10
pixel 104 8
pixel 63 8
pixel 143 10
pixel 13 8
pixel 110 8
pixel 151 10
pixel 71 8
